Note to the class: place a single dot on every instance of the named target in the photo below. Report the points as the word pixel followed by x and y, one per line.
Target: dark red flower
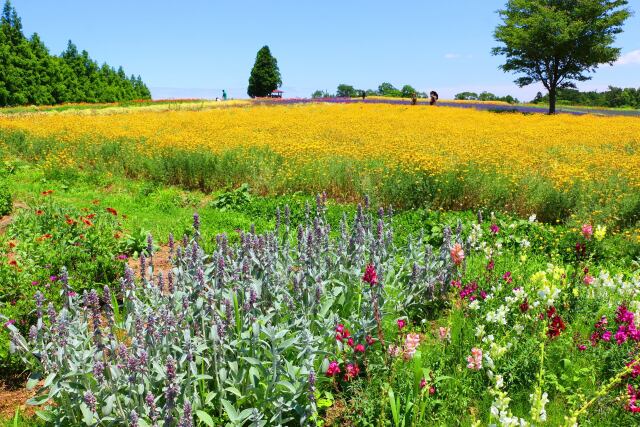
pixel 370 276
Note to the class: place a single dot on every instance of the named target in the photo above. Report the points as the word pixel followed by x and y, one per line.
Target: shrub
pixel 6 201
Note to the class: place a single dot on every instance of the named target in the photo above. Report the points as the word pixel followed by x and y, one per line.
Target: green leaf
pixel 87 415
pixel 230 410
pixel 33 381
pixel 205 418
pixel 49 379
pixel 45 415
pixel 234 391
pixel 288 385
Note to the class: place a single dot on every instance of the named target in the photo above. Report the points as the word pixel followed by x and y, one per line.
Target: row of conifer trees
pixel 29 74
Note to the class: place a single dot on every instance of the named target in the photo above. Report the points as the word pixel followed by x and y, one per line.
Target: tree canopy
pixel 265 74
pixel 29 74
pixel 558 42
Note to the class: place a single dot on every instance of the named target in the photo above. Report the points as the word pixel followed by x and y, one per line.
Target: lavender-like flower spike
pixel 90 400
pixel 172 244
pixel 143 266
pixel 133 418
pixel 171 392
pixel 39 301
pixel 187 416
pixel 196 222
pixel 151 403
pixel 312 385
pixel 170 282
pixel 33 333
pixel 150 244
pixel 98 371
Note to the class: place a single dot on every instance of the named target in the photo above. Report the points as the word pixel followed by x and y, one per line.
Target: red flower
pixel 39 212
pixel 47 192
pixel 91 216
pixel 370 341
pixel 401 323
pixel 350 342
pixel 359 348
pixel 87 222
pixel 112 211
pixel 524 307
pixel 370 275
pixel 333 369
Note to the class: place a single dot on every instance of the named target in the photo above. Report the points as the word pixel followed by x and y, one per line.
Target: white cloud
pixel 632 57
pixel 452 56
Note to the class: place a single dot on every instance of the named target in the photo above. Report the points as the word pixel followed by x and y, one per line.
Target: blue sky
pixel 196 48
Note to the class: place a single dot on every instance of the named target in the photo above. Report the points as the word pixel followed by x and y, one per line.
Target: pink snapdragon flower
pixel 475 360
pixel 587 231
pixel 411 343
pixel 457 254
pixel 401 323
pixel 444 333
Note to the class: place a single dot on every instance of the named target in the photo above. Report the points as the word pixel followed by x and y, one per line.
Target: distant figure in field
pixel 224 94
pixel 217 99
pixel 364 95
pixel 433 97
pixel 414 98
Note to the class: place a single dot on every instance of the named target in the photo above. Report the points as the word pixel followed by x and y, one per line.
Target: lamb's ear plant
pixel 240 336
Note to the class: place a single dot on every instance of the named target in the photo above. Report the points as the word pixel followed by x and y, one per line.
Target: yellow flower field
pixel 562 148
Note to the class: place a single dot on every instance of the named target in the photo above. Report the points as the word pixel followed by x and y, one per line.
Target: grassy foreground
pixel 447 327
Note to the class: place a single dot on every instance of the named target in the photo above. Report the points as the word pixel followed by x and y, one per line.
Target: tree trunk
pixel 552 100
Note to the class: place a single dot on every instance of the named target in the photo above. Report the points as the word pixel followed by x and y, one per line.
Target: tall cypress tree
pixel 265 75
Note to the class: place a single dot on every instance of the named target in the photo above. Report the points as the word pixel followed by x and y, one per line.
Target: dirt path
pixel 6 220
pixel 13 395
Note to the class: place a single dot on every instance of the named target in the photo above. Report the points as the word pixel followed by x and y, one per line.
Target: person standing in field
pixel 224 94
pixel 414 98
pixel 433 97
pixel 364 95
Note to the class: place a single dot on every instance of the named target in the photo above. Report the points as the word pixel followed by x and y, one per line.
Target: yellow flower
pixel 600 232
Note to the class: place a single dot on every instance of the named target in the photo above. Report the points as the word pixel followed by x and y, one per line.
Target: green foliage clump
pixel 232 199
pixel 265 74
pixel 6 200
pixel 31 75
pixel 43 247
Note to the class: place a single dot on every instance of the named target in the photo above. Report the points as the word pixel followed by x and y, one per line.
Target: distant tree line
pixel 485 96
pixel 29 74
pixel 614 97
pixel 385 89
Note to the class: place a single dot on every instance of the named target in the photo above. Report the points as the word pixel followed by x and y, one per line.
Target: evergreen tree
pixel 265 75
